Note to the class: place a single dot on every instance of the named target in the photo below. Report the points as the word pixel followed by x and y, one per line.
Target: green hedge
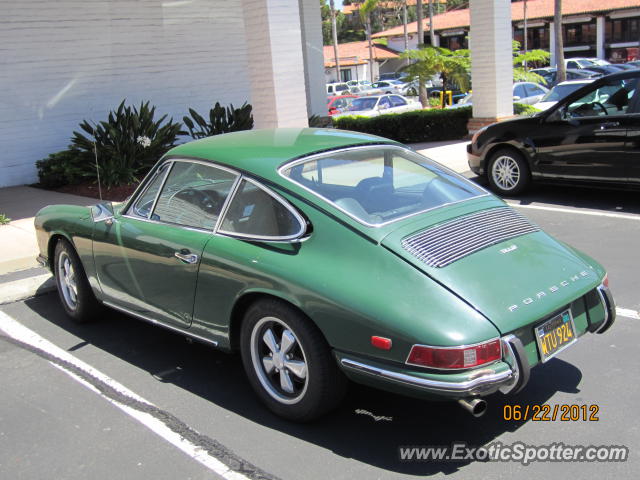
pixel 409 127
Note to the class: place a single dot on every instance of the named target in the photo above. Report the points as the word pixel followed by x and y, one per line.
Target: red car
pixel 339 103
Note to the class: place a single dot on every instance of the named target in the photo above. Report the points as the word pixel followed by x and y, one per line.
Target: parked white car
pixel 337 89
pixel 384 87
pixel 560 91
pixel 379 105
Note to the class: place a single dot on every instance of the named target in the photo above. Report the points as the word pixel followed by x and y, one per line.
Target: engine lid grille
pixel 443 244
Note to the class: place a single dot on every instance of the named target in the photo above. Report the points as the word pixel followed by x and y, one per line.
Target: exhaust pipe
pixel 475 406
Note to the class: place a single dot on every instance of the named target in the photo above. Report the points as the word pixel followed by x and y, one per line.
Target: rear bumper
pixel 509 375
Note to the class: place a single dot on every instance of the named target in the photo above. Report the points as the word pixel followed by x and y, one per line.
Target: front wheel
pixel 508 172
pixel 73 287
pixel 289 363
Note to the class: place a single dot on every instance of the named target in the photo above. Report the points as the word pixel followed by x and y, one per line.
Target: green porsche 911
pixel 323 255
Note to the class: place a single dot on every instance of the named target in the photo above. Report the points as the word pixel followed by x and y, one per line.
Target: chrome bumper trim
pixel 516 357
pixel 42 260
pixel 609 308
pixel 476 385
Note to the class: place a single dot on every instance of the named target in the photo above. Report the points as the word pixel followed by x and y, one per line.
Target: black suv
pixel 592 135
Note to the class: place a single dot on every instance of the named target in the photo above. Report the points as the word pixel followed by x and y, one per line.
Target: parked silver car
pixel 379 105
pixel 523 92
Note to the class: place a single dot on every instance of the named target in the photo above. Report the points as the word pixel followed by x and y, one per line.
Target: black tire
pixel 80 303
pixel 323 385
pixel 508 172
pixel 412 92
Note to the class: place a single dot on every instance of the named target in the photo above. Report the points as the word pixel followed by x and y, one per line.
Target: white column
pixel 436 40
pixel 552 43
pixel 491 58
pixel 600 37
pixel 276 63
pixel 311 23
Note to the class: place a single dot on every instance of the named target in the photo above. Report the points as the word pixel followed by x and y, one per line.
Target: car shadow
pixel 369 426
pixel 610 200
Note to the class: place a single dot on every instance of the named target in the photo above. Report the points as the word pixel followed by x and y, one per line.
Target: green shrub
pixel 127 144
pixel 524 109
pixel 4 219
pixel 409 127
pixel 61 168
pixel 221 120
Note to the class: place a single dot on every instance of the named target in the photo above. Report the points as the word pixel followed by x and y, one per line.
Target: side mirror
pixel 516 98
pixel 102 212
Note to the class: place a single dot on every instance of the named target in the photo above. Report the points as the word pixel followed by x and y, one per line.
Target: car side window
pixel 397 101
pixel 533 90
pixel 384 102
pixel 256 213
pixel 142 207
pixel 193 195
pixel 519 91
pixel 612 98
pixel 572 64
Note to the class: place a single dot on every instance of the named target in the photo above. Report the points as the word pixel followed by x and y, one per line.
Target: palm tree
pixel 365 14
pixel 429 61
pixel 334 33
pixel 432 34
pixel 420 16
pixel 561 74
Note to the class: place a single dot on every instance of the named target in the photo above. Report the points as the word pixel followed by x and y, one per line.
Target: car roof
pixel 577 81
pixel 262 151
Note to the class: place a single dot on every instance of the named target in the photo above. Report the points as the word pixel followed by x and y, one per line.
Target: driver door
pixel 590 139
pixel 147 259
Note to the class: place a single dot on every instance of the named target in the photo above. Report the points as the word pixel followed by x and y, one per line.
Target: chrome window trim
pixel 453 347
pixel 164 182
pixel 288 238
pixel 173 161
pixel 142 189
pixel 315 156
pixel 481 382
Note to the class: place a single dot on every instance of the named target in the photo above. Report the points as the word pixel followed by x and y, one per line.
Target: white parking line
pixel 626 312
pixel 624 216
pixel 19 332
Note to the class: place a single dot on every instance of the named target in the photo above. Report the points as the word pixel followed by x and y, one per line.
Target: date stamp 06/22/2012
pixel 551 413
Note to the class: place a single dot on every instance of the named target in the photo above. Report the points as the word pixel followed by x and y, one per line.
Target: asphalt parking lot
pixel 58 422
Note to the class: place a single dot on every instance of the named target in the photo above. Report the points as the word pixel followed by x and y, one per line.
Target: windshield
pixel 558 92
pixel 377 185
pixel 367 103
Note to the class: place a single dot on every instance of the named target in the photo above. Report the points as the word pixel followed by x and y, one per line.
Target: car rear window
pixel 381 184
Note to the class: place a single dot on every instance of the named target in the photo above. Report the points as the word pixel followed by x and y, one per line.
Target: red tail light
pixel 455 357
pixel 605 280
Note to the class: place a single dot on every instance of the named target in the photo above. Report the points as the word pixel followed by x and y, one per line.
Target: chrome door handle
pixel 187 257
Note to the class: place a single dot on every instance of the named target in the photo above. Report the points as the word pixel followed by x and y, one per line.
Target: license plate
pixel 555 335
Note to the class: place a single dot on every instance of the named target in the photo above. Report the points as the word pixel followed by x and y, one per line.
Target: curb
pixel 23 284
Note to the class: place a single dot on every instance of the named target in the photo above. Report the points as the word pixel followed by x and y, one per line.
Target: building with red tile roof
pixel 592 28
pixel 354 60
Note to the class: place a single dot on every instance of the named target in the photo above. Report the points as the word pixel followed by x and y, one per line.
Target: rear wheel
pixel 74 290
pixel 288 362
pixel 508 172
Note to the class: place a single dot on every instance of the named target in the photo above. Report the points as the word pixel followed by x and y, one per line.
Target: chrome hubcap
pixel 67 281
pixel 505 172
pixel 279 360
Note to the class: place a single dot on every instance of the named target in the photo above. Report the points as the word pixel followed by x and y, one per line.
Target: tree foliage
pixel 452 66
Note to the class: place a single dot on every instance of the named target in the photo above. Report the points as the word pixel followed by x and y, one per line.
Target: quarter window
pixel 193 195
pixel 144 204
pixel 255 213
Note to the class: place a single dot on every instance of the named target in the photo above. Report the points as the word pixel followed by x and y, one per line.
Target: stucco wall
pixel 70 60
